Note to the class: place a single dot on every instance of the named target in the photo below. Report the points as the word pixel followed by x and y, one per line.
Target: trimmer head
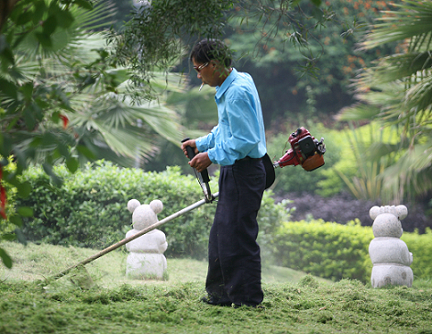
pixel 305 151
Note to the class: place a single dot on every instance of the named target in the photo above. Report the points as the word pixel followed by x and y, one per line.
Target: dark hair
pixel 209 49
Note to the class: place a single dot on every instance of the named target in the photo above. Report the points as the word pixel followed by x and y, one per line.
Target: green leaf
pixel 16 220
pixel 64 18
pixel 5 51
pixel 20 236
pixel 24 189
pixel 24 18
pixel 63 150
pixel 49 25
pixel 7 57
pixel 25 211
pixel 72 164
pixel 27 90
pixel 49 170
pixel 85 151
pixel 43 39
pixel 29 118
pixel 40 9
pixel 8 88
pixel 84 4
pixel 7 261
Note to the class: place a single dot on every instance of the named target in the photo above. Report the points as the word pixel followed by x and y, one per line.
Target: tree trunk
pixel 6 7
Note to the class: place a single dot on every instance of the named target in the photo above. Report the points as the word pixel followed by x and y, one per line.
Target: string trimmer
pixel 305 151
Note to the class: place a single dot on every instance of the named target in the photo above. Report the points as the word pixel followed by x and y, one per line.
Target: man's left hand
pixel 200 162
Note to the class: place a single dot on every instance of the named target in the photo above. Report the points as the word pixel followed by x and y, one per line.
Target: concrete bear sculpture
pixel 390 256
pixel 146 259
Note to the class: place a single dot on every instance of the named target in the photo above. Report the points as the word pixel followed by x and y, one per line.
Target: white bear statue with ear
pixel 146 259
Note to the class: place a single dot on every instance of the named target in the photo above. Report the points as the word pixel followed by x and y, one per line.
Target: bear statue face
pixel 144 215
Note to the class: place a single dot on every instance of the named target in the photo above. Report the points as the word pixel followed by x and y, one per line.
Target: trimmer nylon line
pixel 126 240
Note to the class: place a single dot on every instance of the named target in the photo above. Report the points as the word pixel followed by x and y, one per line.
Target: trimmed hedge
pixel 90 208
pixel 328 250
pixel 421 247
pixel 335 251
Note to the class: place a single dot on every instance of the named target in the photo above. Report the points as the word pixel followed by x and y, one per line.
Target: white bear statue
pixel 390 256
pixel 146 259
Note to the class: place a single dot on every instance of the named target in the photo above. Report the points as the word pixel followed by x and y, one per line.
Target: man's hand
pixel 200 162
pixel 191 143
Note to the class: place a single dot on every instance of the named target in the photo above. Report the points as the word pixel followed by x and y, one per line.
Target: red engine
pixel 305 151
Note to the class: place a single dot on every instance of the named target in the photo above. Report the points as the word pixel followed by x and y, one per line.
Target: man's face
pixel 208 73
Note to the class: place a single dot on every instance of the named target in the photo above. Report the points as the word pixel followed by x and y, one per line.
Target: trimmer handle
pixel 191 153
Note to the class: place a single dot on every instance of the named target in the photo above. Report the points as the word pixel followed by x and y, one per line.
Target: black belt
pixel 248 158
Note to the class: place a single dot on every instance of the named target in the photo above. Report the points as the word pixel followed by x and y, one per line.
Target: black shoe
pixel 211 301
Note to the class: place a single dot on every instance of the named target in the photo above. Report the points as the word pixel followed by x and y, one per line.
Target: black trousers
pixel 234 272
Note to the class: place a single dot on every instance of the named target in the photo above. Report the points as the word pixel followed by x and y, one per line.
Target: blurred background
pixel 108 80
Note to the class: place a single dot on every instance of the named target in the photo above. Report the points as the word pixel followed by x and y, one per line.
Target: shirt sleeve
pixel 205 143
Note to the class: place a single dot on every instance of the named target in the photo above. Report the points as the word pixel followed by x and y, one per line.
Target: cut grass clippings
pixel 307 305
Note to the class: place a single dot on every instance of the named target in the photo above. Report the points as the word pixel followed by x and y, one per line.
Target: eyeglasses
pixel 199 68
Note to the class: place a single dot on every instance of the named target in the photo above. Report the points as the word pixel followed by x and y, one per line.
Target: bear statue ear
pixel 156 206
pixel 132 205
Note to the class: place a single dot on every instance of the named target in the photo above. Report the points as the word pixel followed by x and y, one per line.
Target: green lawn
pixel 37 262
pixel 294 303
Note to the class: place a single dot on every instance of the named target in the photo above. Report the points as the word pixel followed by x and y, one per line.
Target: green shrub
pixel 421 247
pixel 90 208
pixel 335 251
pixel 328 250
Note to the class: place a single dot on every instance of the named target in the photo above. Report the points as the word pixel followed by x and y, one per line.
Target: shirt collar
pixel 220 90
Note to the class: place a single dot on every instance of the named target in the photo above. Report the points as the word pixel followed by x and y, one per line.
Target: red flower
pixel 3 197
pixel 65 121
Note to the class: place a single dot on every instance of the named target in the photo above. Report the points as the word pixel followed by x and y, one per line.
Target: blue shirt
pixel 240 130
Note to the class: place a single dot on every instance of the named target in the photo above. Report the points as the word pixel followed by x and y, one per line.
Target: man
pixel 238 144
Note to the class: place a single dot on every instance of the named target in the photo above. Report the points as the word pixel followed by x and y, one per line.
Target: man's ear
pixel 214 63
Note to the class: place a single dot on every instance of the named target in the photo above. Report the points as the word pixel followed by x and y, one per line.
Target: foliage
pixel 335 251
pixel 63 100
pixel 50 57
pixel 123 10
pixel 151 37
pixel 328 250
pixel 365 183
pixel 312 41
pixel 89 209
pixel 298 51
pixel 308 307
pixel 421 247
pixel 197 112
pixel 396 91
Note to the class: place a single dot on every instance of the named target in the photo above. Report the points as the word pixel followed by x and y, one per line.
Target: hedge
pixel 421 247
pixel 90 208
pixel 328 250
pixel 335 251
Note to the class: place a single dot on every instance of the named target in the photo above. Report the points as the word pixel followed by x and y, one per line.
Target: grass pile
pixel 294 302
